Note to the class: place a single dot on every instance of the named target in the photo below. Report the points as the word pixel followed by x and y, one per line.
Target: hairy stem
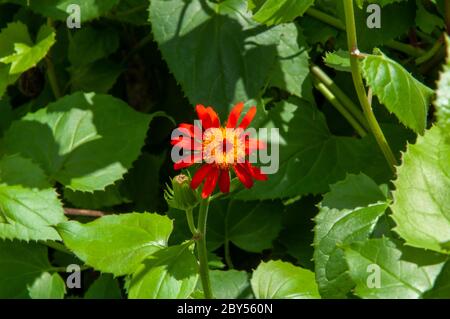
pixel 201 248
pixel 190 221
pixel 51 73
pixel 359 85
pixel 228 260
pixel 432 52
pixel 340 95
pixel 341 109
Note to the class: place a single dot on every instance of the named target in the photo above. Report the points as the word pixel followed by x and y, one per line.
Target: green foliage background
pixel 85 122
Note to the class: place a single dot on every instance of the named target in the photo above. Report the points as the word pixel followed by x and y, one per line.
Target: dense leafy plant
pixel 360 205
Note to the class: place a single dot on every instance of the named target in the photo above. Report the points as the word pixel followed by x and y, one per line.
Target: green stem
pixel 340 95
pixel 324 17
pixel 190 220
pixel 405 48
pixel 359 85
pixel 432 52
pixel 336 23
pixel 201 248
pixel 228 260
pixel 51 74
pixel 335 102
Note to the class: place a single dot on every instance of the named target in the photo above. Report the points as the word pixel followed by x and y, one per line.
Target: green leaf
pixel 139 184
pixel 443 95
pixel 95 44
pixel 129 11
pixel 27 55
pixel 48 286
pixel 398 90
pixel 397 278
pixel 421 207
pixel 338 60
pixel 226 57
pixel 99 199
pixel 427 21
pixel 296 234
pixel 282 280
pixel 251 226
pixel 272 12
pixel 310 157
pixel 348 213
pixel 354 191
pixel 170 273
pixel 20 265
pixel 291 72
pixel 117 244
pixel 97 77
pixel 28 205
pixel 230 284
pixel 13 33
pixel 105 287
pixel 6 112
pixel 441 287
pixel 73 130
pixel 58 9
pixel 381 2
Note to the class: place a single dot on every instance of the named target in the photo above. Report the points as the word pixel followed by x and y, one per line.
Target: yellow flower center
pixel 223 146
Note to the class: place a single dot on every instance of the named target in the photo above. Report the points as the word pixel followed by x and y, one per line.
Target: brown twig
pixel 83 212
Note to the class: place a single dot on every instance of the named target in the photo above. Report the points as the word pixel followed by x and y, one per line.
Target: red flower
pixel 219 149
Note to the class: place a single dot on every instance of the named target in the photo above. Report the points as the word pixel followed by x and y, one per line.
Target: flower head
pixel 219 148
pixel 180 195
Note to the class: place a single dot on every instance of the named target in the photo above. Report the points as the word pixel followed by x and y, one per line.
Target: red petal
pixel 248 118
pixel 187 129
pixel 187 144
pixel 203 115
pixel 253 144
pixel 224 181
pixel 215 122
pixel 210 182
pixel 234 115
pixel 200 175
pixel 256 172
pixel 180 165
pixel 243 175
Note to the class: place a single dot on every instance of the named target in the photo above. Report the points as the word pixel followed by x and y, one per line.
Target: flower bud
pixel 181 195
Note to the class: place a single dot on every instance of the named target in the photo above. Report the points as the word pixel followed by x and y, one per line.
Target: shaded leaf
pixel 21 265
pixel 105 287
pixel 251 226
